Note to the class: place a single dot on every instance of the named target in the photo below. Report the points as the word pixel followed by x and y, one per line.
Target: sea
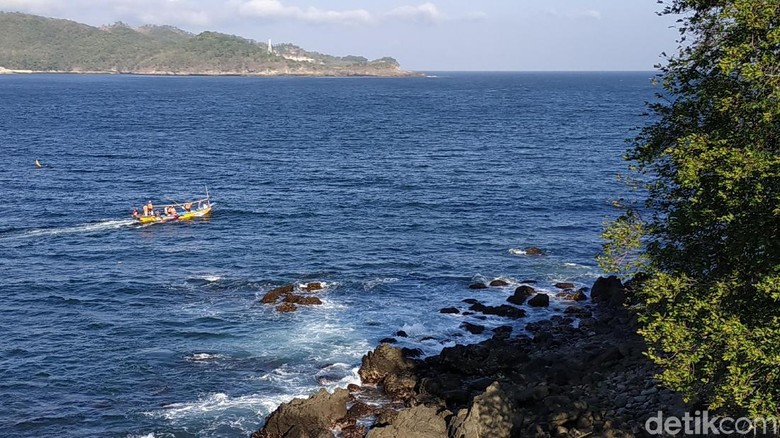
pixel 395 193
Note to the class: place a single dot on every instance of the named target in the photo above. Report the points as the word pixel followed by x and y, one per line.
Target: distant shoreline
pixel 332 74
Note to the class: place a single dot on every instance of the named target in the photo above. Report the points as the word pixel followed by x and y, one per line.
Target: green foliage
pixel 711 310
pixel 621 253
pixel 29 42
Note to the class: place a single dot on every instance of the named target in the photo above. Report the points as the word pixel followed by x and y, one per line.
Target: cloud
pixel 426 12
pixel 275 10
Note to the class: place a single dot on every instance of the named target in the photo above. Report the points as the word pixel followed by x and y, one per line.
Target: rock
pixel 298 299
pixel 311 417
pixel 564 285
pixel 532 250
pixel 478 286
pixel 608 291
pixel 384 360
pixel 312 286
pixel 521 294
pixel 504 310
pixel 388 341
pixel 449 310
pixel 474 329
pixel 492 414
pixel 400 386
pixel 539 300
pixel 353 431
pixel 401 334
pixel 353 387
pixel 579 312
pixel 503 331
pixel 417 422
pixel 499 283
pixel 411 352
pixel 286 307
pixel 274 294
pixel 571 296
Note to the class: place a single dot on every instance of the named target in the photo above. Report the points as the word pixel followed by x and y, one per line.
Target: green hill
pixel 40 44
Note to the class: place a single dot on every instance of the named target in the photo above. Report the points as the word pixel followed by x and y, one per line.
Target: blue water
pixel 396 193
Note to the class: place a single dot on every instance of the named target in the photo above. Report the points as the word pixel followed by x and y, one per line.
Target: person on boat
pixel 148 209
pixel 135 212
pixel 187 206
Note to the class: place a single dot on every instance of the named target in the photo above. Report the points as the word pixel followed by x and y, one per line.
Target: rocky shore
pixel 580 373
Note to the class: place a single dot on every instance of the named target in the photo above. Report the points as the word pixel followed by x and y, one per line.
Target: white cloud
pixel 426 12
pixel 589 14
pixel 274 9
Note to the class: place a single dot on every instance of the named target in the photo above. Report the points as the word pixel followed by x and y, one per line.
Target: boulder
pixel 388 341
pixel 384 360
pixel 286 307
pixel 532 250
pixel 298 299
pixel 471 301
pixel 539 300
pixel 274 294
pixel 478 286
pixel 417 422
pixel 521 294
pixel 311 417
pixel 492 414
pixel 505 310
pixel 401 334
pixel 564 285
pixel 608 291
pixel 474 329
pixel 571 296
pixel 499 283
pixel 312 286
pixel 353 431
pixel 449 310
pixel 400 386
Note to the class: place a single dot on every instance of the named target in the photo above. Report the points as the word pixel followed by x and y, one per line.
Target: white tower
pixel 270 47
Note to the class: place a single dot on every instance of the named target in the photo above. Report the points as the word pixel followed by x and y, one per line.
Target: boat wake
pixel 55 231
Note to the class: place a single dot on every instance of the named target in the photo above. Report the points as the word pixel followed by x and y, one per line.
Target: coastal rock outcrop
pixel 311 417
pixel 539 300
pixel 273 295
pixel 521 294
pixel 609 291
pixel 491 414
pixel 417 422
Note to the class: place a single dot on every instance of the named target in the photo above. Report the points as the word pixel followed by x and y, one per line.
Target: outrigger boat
pixel 189 210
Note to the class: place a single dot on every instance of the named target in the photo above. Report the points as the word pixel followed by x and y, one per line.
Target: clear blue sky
pixel 425 35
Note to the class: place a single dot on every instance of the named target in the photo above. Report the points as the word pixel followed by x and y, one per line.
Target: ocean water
pixel 397 193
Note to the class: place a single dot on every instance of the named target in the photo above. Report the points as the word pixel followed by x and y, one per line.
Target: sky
pixel 439 35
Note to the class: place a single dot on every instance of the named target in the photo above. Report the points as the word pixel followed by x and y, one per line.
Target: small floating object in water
pixel 38 164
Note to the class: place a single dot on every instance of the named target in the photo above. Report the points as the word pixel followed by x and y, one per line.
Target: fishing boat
pixel 174 212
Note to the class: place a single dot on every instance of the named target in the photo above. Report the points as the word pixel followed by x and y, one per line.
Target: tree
pixel 711 307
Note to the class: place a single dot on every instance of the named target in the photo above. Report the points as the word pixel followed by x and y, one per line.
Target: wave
pixel 517 251
pixel 83 228
pixel 202 357
pixel 370 284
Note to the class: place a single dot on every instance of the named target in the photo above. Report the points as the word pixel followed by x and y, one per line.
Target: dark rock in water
pixel 353 431
pixel 388 341
pixel 359 409
pixel 467 313
pixel 502 332
pixel 474 329
pixel 506 311
pixel 521 294
pixel 470 301
pixel 571 296
pixel 532 250
pixel 583 289
pixel 313 286
pixel 286 307
pixel 401 334
pixel 411 352
pixel 449 310
pixel 298 299
pixel 353 387
pixel 274 294
pixel 564 285
pixel 608 291
pixel 579 312
pixel 499 283
pixel 313 416
pixel 477 286
pixel 417 422
pixel 381 362
pixel 427 338
pixel 539 300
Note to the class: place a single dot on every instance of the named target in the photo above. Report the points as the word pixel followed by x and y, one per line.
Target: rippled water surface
pixel 396 193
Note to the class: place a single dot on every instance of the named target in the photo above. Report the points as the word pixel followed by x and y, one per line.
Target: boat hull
pixel 182 217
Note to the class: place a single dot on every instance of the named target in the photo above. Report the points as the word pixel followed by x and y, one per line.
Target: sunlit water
pixel 395 192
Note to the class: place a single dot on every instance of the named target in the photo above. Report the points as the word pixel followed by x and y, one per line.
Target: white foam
pixel 517 251
pixel 198 357
pixel 212 278
pixel 218 403
pixel 83 228
pixel 368 285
